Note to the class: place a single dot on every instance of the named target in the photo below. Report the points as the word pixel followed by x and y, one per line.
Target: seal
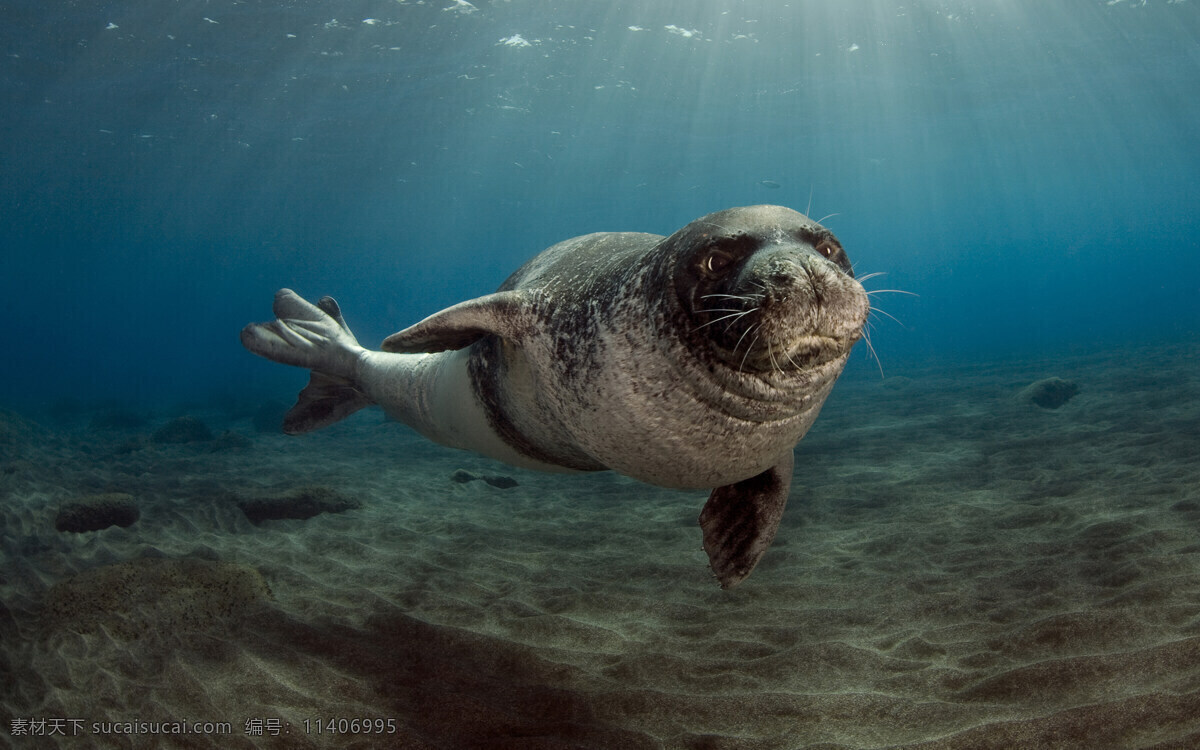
pixel 694 361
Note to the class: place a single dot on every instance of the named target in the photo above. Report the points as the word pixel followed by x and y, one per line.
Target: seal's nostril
pixel 783 274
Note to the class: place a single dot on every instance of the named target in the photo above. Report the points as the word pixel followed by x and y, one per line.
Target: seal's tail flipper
pixel 740 521
pixel 315 337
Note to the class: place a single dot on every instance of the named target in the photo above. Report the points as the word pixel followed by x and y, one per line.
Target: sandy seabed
pixel 958 568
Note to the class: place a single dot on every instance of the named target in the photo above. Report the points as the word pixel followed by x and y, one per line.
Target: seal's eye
pixel 827 249
pixel 716 262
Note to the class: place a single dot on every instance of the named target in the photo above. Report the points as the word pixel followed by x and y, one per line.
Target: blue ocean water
pixel 960 566
pixel 1029 169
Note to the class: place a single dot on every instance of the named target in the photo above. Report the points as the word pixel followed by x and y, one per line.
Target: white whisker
pixel 748 348
pixel 743 297
pixel 888 314
pixel 875 354
pixel 792 362
pixel 737 314
pixel 728 326
pixel 739 341
pixel 874 309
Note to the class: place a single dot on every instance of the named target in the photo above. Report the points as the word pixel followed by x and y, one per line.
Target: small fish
pixel 770 184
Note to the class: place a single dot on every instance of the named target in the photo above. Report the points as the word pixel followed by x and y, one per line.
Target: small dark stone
pixel 1050 393
pixel 95 512
pixel 502 482
pixel 299 504
pixel 462 476
pixel 183 430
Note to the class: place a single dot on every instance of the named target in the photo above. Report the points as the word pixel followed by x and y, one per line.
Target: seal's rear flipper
pixel 316 337
pixel 323 401
pixel 740 521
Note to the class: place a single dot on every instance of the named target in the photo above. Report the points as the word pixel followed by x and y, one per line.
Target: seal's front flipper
pixel 316 337
pixel 502 314
pixel 740 520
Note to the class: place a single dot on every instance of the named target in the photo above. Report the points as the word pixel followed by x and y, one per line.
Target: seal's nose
pixel 788 270
pixel 783 271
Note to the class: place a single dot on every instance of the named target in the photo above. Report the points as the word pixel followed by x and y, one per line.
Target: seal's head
pixel 766 290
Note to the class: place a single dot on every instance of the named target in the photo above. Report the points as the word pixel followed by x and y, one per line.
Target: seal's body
pixel 697 360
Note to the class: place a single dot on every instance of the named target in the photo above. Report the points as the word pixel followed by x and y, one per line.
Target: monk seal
pixel 693 361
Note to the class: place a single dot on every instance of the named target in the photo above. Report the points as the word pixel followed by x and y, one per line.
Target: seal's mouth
pixel 785 315
pixel 801 353
pixel 766 343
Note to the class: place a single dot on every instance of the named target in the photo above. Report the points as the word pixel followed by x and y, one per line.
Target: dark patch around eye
pixel 829 248
pixel 716 262
pixel 718 258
